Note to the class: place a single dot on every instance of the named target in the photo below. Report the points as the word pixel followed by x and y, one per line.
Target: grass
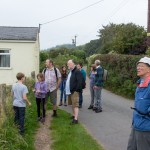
pixel 64 135
pixel 70 137
pixel 10 139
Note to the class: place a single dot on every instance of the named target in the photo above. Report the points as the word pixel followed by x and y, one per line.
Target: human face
pixel 48 64
pixel 143 70
pixel 78 66
pixel 70 64
pixel 39 78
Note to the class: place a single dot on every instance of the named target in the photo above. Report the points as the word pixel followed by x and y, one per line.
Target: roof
pixel 18 33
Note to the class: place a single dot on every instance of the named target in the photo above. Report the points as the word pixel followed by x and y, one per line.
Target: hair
pixel 41 76
pixel 20 75
pixel 97 62
pixel 80 64
pixel 50 61
pixel 93 67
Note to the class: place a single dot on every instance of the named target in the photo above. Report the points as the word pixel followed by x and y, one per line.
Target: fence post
pixel 2 102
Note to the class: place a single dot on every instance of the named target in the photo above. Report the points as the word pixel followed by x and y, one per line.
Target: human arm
pixel 26 99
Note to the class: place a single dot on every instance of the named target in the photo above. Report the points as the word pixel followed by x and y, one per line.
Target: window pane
pixel 4 60
pixel 4 51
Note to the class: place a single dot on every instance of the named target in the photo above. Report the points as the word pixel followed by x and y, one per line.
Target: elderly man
pixel 73 87
pixel 98 84
pixel 140 134
pixel 52 79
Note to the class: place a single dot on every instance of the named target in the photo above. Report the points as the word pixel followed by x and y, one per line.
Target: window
pixel 4 58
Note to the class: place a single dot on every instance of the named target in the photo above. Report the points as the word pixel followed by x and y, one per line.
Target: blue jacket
pixel 141 122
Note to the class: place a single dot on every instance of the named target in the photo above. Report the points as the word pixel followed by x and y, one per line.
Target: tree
pixel 122 38
pixel 91 47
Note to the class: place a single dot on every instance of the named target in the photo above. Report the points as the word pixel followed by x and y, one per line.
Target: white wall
pixel 24 57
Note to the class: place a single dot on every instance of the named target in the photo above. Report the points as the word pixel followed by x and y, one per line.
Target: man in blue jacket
pixel 140 134
pixel 98 84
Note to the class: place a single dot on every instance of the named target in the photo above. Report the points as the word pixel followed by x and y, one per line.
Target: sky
pixel 84 24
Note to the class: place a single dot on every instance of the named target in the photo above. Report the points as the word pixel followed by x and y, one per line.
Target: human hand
pixel 29 103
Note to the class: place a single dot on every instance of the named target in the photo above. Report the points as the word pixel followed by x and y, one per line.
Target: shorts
pixel 73 99
pixel 53 97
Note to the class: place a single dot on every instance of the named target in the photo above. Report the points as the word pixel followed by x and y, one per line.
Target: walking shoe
pixel 42 120
pixel 74 121
pixel 39 118
pixel 54 113
pixel 72 117
pixel 65 104
pixel 80 106
pixel 60 104
pixel 98 110
pixel 94 108
pixel 90 107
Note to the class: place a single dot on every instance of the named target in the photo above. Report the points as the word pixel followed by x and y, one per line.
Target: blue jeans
pixel 62 91
pixel 19 117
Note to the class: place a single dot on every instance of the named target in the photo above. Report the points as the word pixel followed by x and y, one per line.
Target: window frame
pixel 4 49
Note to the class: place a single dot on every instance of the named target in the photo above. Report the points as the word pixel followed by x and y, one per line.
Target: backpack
pixel 105 74
pixel 54 70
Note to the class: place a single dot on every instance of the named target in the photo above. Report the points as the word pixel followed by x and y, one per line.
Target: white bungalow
pixel 19 52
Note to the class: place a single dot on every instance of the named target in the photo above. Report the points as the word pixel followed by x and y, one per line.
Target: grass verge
pixel 10 139
pixel 71 137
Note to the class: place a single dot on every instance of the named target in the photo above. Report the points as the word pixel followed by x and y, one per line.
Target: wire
pixel 72 13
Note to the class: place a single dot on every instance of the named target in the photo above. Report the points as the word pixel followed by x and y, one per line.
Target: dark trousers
pixel 40 102
pixel 80 98
pixel 19 117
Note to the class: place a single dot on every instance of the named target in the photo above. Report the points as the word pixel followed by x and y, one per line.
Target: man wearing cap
pixel 140 134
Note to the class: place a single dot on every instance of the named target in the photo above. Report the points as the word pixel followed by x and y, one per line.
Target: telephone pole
pixel 148 25
pixel 74 40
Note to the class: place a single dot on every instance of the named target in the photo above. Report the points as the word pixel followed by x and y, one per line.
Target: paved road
pixel 111 128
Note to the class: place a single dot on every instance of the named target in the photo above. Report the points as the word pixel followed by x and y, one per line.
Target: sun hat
pixel 145 60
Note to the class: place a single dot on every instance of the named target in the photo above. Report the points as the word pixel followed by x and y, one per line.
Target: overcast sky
pixel 85 24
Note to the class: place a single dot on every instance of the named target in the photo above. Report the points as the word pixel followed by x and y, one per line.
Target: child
pixel 63 85
pixel 40 90
pixel 19 91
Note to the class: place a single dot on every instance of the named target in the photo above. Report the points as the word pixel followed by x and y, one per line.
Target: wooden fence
pixel 2 102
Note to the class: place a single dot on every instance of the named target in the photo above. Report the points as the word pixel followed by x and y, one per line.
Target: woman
pixel 140 134
pixel 92 78
pixel 62 86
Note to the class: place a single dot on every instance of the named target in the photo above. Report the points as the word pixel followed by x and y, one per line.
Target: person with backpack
pixel 98 84
pixel 80 67
pixel 140 133
pixel 52 80
pixel 73 87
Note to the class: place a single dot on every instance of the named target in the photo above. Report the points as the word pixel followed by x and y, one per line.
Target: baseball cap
pixel 145 60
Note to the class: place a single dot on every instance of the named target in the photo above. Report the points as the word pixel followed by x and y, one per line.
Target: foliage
pixel 10 139
pixel 91 47
pixel 61 56
pixel 121 72
pixel 71 137
pixel 123 39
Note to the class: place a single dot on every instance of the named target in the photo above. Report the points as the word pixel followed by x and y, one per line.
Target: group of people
pixel 71 86
pixel 48 82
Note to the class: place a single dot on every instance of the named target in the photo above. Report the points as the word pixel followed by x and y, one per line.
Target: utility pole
pixel 148 25
pixel 74 40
